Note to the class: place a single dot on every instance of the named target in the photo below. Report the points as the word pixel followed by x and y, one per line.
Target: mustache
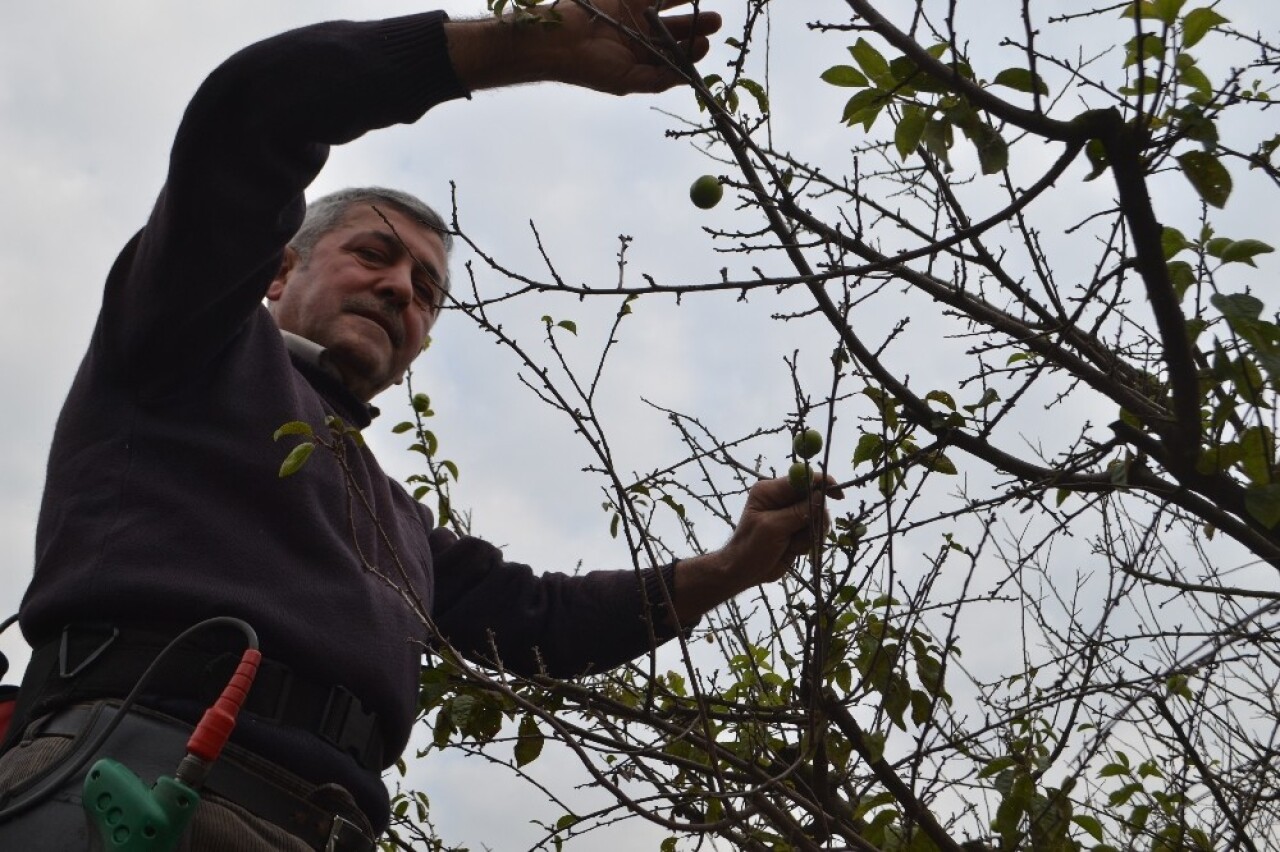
pixel 386 315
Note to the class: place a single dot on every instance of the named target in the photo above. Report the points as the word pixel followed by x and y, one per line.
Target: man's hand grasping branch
pixel 603 45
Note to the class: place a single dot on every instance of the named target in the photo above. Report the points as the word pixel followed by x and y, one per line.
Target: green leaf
pixel 875 746
pixel 1022 80
pixel 1194 78
pixel 757 91
pixel 869 447
pixel 1172 241
pixel 293 427
pixel 1167 10
pixel 910 130
pixel 989 396
pixel 568 325
pixel 1140 8
pixel 909 79
pixel 929 670
pixel 1142 48
pixel 997 765
pixel 296 459
pixel 1237 307
pixel 864 107
pixel 1179 685
pixel 873 63
pixel 1197 23
pixel 942 397
pixel 993 153
pixel 1219 458
pixel 401 427
pixel 668 845
pixel 1195 124
pixel 529 741
pixel 1208 176
pixel 1258 448
pixel 1143 85
pixel 1216 246
pixel 845 75
pixel 1262 502
pixel 1089 824
pixel 1244 251
pixel 1125 793
pixel 451 467
pixel 937 462
pixel 1182 276
pixel 938 139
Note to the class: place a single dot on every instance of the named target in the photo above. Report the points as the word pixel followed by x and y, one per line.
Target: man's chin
pixel 364 376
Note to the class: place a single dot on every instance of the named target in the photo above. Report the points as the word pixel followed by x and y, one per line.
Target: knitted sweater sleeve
pixel 252 139
pixel 502 615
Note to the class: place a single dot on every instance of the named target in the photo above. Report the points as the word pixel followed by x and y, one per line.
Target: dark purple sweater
pixel 162 504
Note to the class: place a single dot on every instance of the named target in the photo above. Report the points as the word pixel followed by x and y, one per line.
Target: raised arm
pixel 254 136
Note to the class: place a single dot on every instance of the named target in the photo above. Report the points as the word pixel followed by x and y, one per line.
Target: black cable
pixel 33 798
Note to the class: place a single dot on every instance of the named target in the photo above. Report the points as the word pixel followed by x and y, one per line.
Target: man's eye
pixel 424 295
pixel 368 254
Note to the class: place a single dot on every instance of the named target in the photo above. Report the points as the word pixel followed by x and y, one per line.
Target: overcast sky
pixel 90 94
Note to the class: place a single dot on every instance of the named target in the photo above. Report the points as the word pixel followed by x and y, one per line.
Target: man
pixel 162 506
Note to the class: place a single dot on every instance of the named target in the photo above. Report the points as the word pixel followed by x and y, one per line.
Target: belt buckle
pixel 346 836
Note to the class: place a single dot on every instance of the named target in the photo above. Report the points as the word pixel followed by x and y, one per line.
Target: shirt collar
pixel 313 354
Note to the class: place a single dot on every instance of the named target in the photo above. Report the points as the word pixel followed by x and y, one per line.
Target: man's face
pixel 362 295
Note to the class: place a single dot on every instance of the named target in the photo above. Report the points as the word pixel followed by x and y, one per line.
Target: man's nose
pixel 395 285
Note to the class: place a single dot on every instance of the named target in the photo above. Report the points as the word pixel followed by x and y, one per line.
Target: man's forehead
pixel 386 219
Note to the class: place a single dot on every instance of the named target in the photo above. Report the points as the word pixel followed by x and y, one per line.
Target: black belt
pixel 150 745
pixel 90 662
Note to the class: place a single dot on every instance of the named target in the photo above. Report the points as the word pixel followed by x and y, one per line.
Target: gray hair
pixel 328 212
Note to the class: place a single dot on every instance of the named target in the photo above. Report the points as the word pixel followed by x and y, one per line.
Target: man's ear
pixel 287 265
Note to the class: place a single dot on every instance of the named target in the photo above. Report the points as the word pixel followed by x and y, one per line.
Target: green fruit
pixel 808 443
pixel 801 477
pixel 706 192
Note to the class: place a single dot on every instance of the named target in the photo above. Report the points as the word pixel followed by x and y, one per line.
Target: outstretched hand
pixel 777 527
pixel 614 46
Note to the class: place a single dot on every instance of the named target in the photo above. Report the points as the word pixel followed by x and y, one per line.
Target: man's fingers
pixel 777 493
pixel 682 27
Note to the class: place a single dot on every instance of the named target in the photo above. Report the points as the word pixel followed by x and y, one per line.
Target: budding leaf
pixel 295 427
pixel 296 459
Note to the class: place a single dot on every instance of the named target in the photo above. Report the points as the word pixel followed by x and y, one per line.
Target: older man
pixel 162 506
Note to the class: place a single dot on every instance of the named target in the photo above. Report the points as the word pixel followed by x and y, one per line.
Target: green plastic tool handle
pixel 132 817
